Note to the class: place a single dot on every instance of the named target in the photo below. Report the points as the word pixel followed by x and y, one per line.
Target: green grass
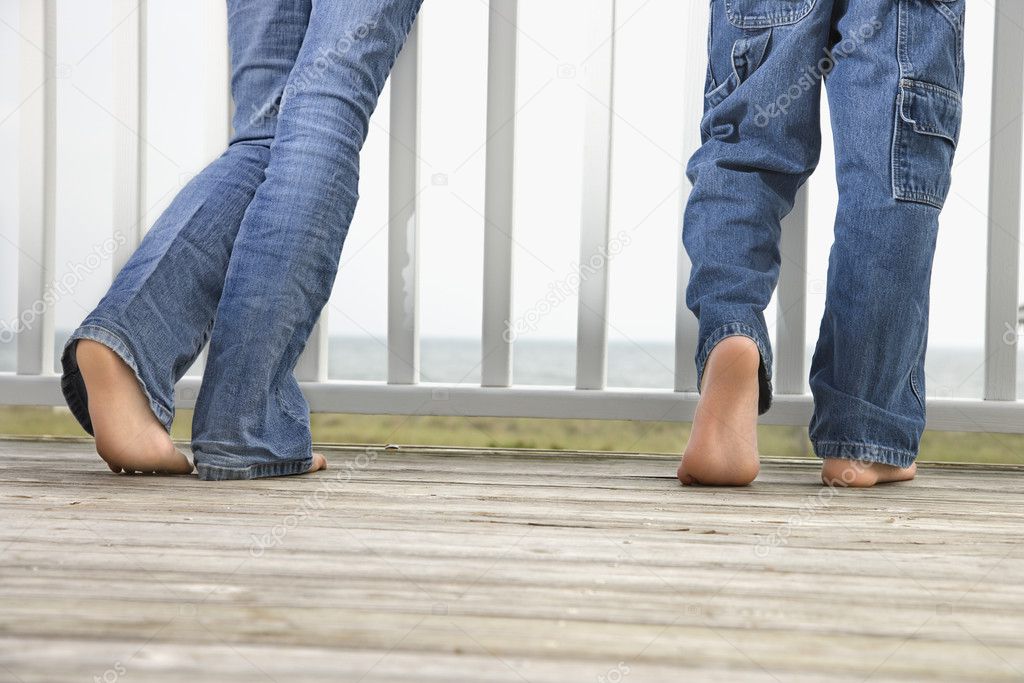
pixel 580 435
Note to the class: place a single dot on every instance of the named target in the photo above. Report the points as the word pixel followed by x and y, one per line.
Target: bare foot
pixel 722 450
pixel 858 474
pixel 319 463
pixel 129 438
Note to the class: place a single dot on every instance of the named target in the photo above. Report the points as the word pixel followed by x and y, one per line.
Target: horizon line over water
pixel 950 371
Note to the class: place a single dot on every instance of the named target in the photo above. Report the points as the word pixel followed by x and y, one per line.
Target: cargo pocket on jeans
pixel 927 130
pixel 766 13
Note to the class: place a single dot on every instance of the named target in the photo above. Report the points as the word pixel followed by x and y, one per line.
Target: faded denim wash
pixel 246 255
pixel 893 71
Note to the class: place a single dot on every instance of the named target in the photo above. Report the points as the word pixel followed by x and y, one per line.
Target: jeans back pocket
pixel 928 120
pixel 766 13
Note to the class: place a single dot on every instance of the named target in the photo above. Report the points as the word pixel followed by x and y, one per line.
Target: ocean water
pixel 950 372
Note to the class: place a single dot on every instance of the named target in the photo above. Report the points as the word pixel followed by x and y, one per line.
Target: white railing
pixel 34 381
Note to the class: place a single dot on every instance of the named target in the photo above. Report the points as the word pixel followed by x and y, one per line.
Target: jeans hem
pixel 864 452
pixel 73 385
pixel 764 371
pixel 282 468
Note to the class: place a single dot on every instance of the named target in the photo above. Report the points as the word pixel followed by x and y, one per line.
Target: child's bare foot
pixel 129 438
pixel 858 474
pixel 722 450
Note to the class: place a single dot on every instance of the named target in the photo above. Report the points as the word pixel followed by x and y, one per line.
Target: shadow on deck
pixel 435 565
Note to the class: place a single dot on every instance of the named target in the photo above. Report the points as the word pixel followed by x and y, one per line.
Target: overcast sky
pixel 648 155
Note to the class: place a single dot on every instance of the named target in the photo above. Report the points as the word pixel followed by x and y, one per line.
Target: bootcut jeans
pixel 245 256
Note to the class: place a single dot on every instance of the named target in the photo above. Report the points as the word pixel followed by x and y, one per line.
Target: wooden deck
pixel 433 565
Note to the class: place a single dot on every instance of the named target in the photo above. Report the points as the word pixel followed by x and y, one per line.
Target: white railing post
pixel 217 79
pixel 38 194
pixel 693 109
pixel 312 364
pixel 1004 210
pixel 129 107
pixel 35 383
pixel 403 212
pixel 592 315
pixel 791 320
pixel 496 340
pixel 219 107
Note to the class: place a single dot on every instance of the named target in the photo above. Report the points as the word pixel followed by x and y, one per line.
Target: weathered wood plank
pixel 438 565
pixel 212 661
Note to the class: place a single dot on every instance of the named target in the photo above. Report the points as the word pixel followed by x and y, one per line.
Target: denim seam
pixel 922 197
pixel 258 471
pixel 899 192
pixel 908 72
pixel 864 452
pixel 115 343
pixel 711 38
pixel 925 85
pixel 950 16
pixel 767 20
pixel 903 42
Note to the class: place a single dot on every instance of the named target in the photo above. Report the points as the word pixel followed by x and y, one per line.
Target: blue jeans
pixel 894 73
pixel 246 255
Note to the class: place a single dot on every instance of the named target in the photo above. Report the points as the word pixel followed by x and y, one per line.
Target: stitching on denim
pixel 257 471
pixel 897 156
pixel 950 15
pixel 711 38
pixel 920 197
pixel 905 69
pixel 866 450
pixel 862 445
pixel 958 27
pixel 903 40
pixel 900 165
pixel 908 71
pixel 751 19
pixel 955 21
pixel 925 85
pixel 952 100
